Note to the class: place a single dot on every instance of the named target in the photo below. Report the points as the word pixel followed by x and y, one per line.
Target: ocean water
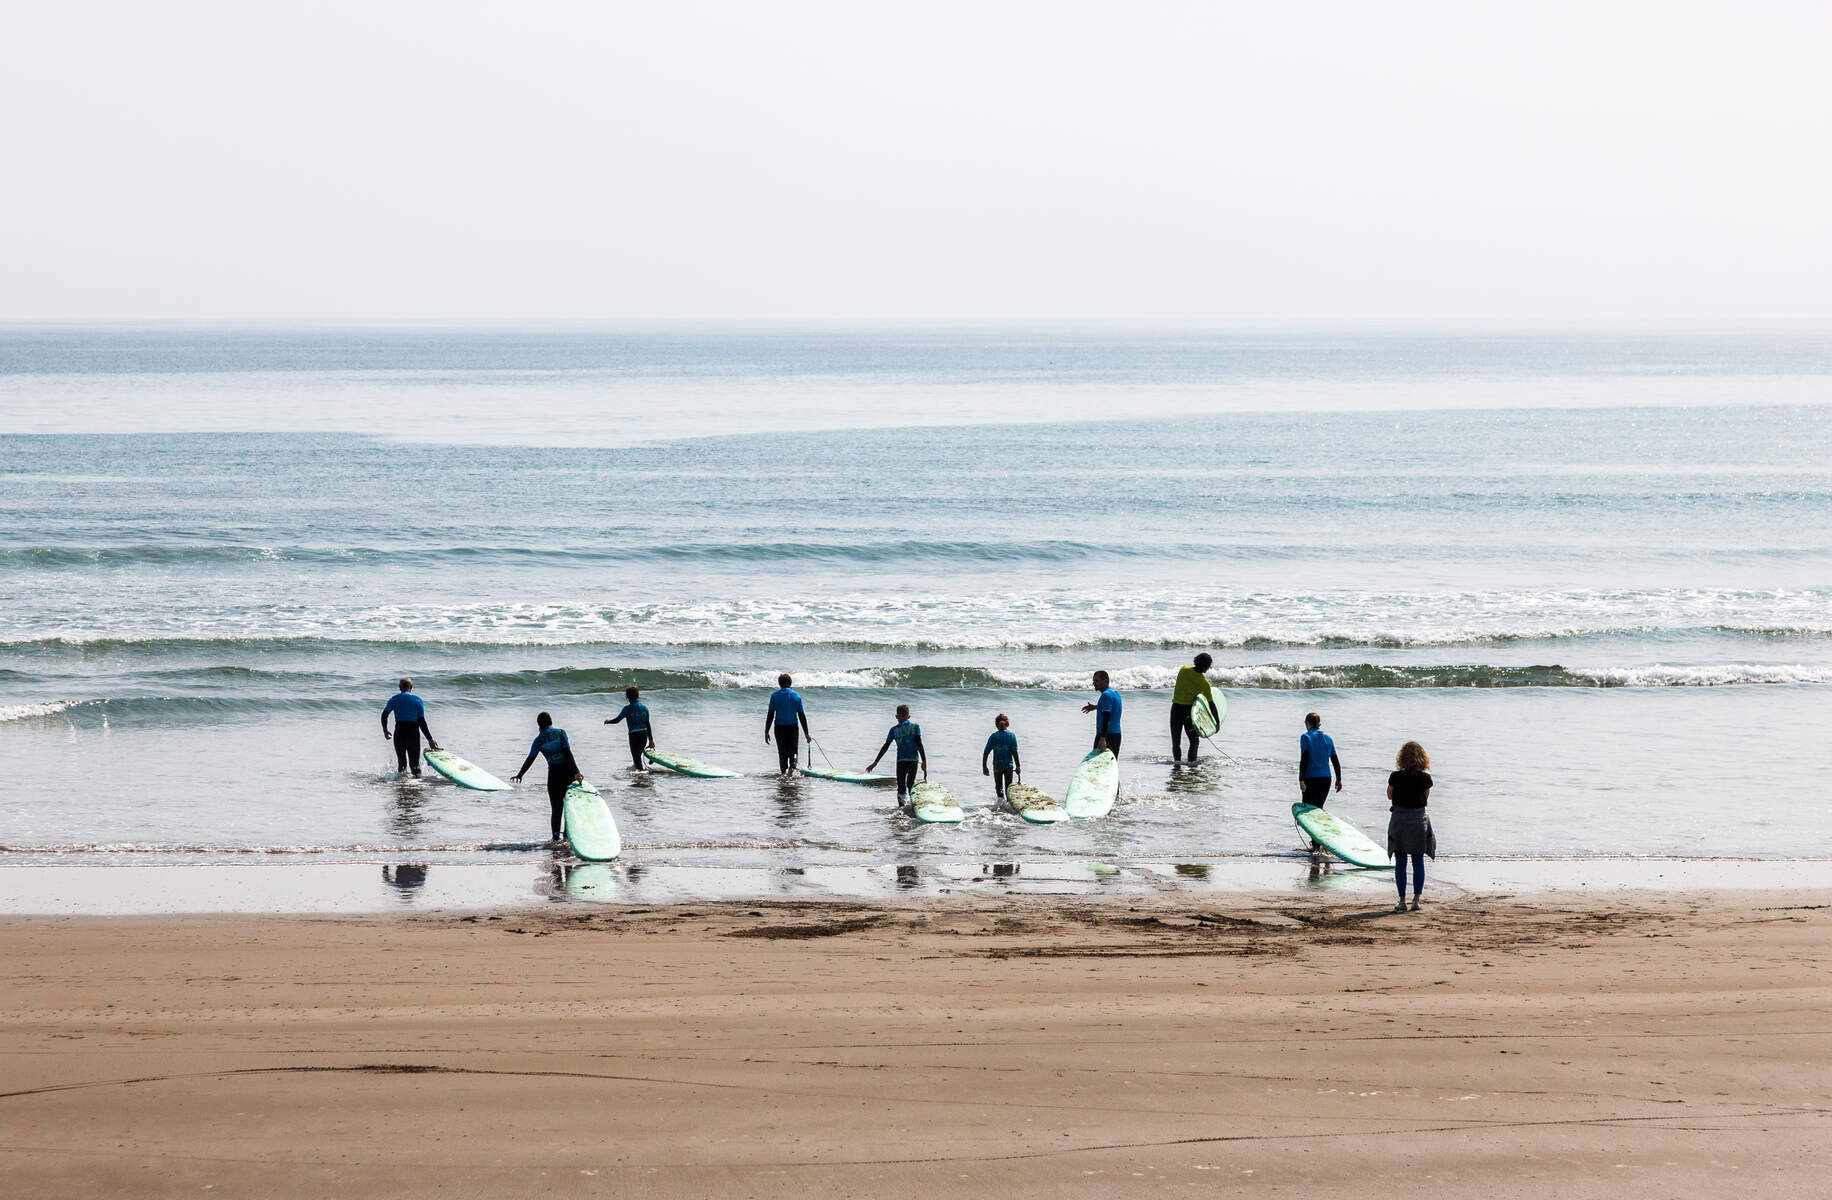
pixel 1591 574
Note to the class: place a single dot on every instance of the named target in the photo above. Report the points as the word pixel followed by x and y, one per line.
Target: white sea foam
pixel 25 712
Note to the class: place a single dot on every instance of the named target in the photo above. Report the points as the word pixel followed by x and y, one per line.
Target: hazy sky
pixel 814 162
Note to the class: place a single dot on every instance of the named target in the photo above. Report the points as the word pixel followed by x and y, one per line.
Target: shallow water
pixel 1609 623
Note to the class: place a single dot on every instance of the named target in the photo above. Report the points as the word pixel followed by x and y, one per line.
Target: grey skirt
pixel 1409 832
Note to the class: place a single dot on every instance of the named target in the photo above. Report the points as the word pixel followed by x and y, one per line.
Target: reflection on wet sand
pixel 405 879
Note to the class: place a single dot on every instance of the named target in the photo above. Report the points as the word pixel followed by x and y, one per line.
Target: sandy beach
pixel 1672 1045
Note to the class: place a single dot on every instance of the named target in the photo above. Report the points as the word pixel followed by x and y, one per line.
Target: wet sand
pixel 1672 1045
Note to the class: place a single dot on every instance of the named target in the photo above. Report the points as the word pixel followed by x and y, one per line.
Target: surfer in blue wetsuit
pixel 562 770
pixel 784 712
pixel 1106 710
pixel 635 715
pixel 1316 755
pixel 908 736
pixel 1002 745
pixel 409 723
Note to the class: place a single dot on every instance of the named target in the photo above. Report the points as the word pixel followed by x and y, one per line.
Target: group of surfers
pixel 785 723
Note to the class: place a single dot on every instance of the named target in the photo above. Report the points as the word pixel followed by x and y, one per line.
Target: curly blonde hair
pixel 1412 757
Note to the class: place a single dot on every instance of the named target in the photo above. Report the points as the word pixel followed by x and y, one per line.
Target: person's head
pixel 903 712
pixel 406 684
pixel 1412 757
pixel 630 694
pixel 783 680
pixel 1001 721
pixel 1100 681
pixel 544 721
pixel 1203 663
pixel 1312 721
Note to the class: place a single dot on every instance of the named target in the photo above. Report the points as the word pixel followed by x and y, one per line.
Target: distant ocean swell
pixel 748 553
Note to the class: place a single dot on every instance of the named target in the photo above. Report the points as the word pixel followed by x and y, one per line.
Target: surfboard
pixel 681 764
pixel 589 827
pixel 464 773
pixel 1095 786
pixel 1033 805
pixel 1339 837
pixel 847 776
pixel 934 804
pixel 1207 716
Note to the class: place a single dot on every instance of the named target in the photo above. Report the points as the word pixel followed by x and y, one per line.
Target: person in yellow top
pixel 1192 681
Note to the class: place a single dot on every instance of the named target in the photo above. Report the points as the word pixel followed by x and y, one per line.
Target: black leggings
pixel 1113 742
pixel 558 780
pixel 906 778
pixel 407 744
pixel 1181 724
pixel 1001 780
pixel 788 741
pixel 639 741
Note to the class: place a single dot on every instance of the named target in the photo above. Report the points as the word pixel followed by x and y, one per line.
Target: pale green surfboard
pixel 848 776
pixel 1095 786
pixel 1339 837
pixel 589 827
pixel 683 765
pixel 1033 805
pixel 934 804
pixel 1207 715
pixel 464 773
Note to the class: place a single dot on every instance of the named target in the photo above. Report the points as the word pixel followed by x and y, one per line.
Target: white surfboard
pixel 1033 805
pixel 934 804
pixel 589 827
pixel 1094 787
pixel 1339 837
pixel 865 777
pixel 464 773
pixel 1207 715
pixel 683 765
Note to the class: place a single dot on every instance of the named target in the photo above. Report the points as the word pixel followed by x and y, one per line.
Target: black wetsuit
pixel 788 746
pixel 407 744
pixel 1181 724
pixel 561 770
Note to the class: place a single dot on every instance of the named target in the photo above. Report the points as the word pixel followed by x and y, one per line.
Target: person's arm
pixel 1337 763
pixel 1303 758
pixel 769 719
pixel 806 732
pixel 620 715
pixel 1389 792
pixel 923 755
pixel 1016 765
pixel 881 750
pixel 386 709
pixel 428 732
pixel 531 757
pixel 984 755
pixel 651 731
